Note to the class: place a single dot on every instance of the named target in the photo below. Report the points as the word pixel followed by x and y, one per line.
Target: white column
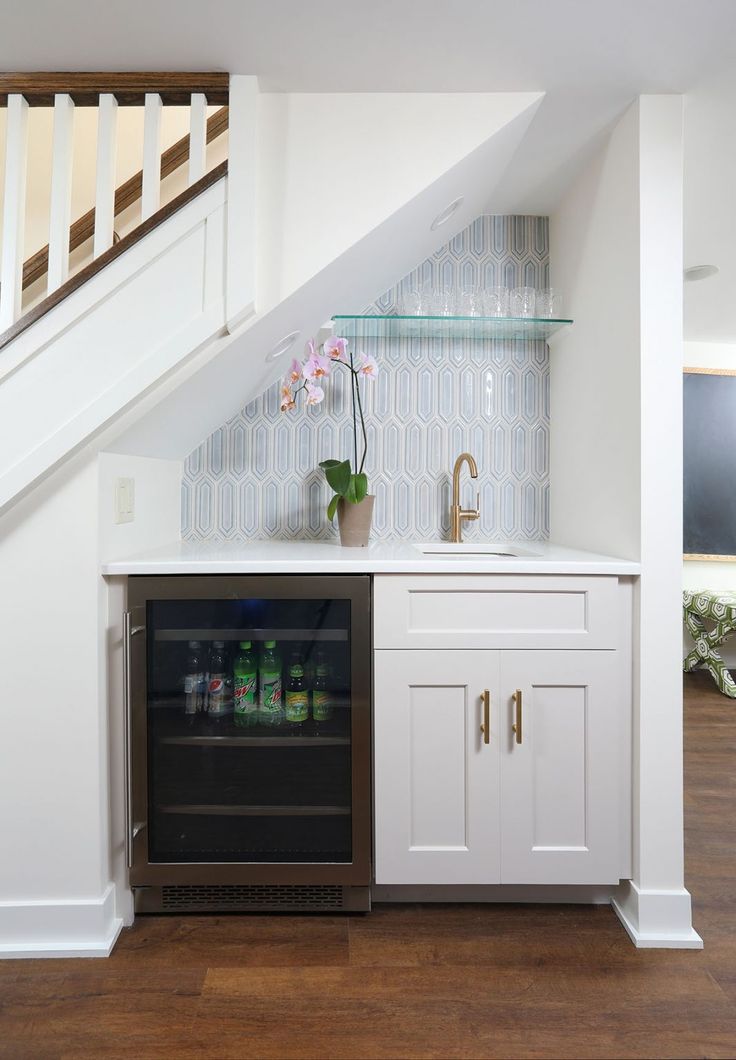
pixel 14 210
pixel 106 156
pixel 61 191
pixel 655 906
pixel 151 195
pixel 241 205
pixel 197 137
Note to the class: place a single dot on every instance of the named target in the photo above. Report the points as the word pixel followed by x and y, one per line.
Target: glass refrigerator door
pixel 249 730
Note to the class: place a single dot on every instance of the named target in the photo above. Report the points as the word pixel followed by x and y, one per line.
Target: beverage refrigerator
pixel 266 808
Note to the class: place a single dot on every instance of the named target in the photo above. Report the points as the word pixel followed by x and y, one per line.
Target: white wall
pixel 57 895
pixel 330 145
pixel 595 400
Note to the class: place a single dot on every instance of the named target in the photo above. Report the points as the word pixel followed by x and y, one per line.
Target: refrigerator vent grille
pixel 266 896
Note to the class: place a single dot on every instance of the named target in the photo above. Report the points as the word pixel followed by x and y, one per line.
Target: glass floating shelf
pixel 514 329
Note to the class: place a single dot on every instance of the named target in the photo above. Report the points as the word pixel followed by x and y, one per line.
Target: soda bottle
pixel 297 696
pixel 270 705
pixel 323 698
pixel 194 680
pixel 245 672
pixel 219 701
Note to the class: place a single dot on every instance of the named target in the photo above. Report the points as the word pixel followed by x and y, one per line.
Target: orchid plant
pixel 307 378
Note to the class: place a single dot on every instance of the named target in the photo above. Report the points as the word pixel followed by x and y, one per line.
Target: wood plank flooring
pixel 413 981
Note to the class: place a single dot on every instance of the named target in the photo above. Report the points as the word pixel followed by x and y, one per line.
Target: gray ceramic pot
pixel 354 521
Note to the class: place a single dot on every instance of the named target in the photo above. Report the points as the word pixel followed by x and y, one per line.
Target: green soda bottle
pixel 323 699
pixel 245 672
pixel 270 706
pixel 297 696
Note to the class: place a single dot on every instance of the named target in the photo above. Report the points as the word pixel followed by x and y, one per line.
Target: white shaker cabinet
pixel 546 809
pixel 560 785
pixel 437 815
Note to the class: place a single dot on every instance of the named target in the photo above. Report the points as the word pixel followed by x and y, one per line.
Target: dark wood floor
pixel 417 981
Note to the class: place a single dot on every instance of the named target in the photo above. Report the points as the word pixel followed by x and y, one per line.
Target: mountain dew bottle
pixel 245 668
pixel 270 708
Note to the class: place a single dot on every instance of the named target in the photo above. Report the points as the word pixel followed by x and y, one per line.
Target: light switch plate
pixel 125 500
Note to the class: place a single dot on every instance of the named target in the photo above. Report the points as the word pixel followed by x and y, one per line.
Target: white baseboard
pixel 656 919
pixel 66 928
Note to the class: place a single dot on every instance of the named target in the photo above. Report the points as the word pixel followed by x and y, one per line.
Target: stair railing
pixel 106 92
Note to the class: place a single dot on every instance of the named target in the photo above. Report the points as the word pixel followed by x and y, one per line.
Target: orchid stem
pixel 353 388
pixel 362 425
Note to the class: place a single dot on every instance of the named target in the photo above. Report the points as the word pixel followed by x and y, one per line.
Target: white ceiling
pixel 591 57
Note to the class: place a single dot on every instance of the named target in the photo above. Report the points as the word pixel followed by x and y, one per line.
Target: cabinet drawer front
pixel 495 611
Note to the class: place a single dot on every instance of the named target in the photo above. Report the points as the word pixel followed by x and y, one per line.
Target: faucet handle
pixel 477 502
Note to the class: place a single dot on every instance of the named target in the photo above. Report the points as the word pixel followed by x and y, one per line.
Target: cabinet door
pixel 436 779
pixel 560 785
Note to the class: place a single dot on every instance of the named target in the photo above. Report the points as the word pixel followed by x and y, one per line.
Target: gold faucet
pixel 457 514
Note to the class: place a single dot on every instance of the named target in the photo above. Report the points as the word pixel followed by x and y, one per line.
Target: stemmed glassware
pixel 470 300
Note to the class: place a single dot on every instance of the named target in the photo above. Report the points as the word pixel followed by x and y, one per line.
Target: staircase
pixel 138 319
pixel 122 294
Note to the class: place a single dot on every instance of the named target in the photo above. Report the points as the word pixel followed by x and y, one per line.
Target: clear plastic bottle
pixel 270 702
pixel 194 680
pixel 219 701
pixel 245 679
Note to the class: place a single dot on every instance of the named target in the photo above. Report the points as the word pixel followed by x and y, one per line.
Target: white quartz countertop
pixel 311 557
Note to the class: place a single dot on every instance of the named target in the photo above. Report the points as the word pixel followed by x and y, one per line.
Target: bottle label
pixel 322 705
pixel 297 706
pixel 244 701
pixel 217 701
pixel 271 694
pixel 193 693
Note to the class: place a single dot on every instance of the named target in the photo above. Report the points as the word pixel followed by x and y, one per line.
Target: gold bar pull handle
pixel 516 727
pixel 486 726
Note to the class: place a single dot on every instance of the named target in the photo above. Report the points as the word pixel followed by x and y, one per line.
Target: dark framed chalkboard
pixel 709 436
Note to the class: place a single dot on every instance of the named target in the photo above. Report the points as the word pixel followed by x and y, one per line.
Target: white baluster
pixel 197 137
pixel 151 195
pixel 14 210
pixel 241 202
pixel 61 191
pixel 106 155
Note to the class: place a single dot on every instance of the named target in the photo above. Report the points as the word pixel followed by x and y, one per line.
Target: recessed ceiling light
pixel 446 214
pixel 700 272
pixel 281 347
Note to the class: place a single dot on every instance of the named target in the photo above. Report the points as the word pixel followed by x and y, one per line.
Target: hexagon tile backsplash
pixel 257 477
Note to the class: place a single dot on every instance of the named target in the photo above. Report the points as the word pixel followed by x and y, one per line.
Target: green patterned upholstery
pixel 718 607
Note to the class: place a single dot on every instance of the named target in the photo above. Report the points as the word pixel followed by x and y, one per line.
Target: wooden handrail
pixel 129 89
pixel 84 227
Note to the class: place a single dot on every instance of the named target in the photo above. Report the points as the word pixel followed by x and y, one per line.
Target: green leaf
pixel 328 463
pixel 350 493
pixel 361 486
pixel 339 477
pixel 332 508
pixel 357 489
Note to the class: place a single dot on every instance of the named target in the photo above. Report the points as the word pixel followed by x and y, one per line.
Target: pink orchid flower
pixel 295 372
pixel 316 367
pixel 315 394
pixel 367 365
pixel 335 348
pixel 287 398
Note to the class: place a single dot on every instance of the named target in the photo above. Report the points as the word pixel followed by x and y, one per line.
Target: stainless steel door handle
pixel 129 631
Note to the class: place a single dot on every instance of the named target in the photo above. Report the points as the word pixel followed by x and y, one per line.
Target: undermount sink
pixel 497 550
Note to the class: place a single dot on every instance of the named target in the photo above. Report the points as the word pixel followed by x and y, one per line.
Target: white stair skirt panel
pixel 99 350
pixel 656 919
pixel 67 928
